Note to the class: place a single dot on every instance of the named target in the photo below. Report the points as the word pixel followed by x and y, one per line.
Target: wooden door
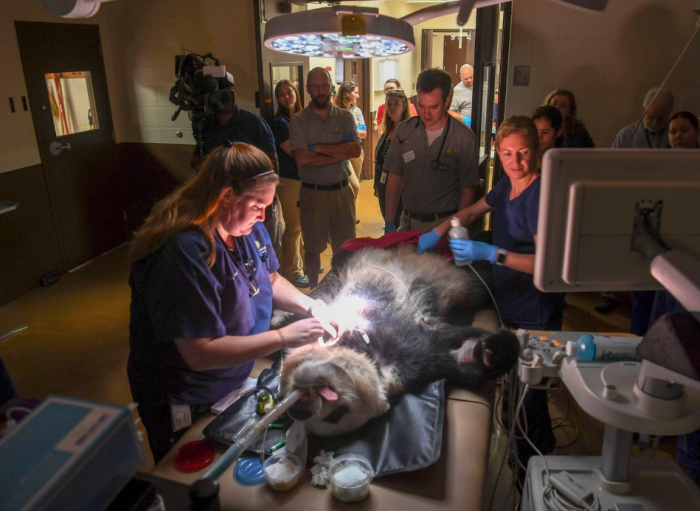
pixel 68 96
pixel 455 57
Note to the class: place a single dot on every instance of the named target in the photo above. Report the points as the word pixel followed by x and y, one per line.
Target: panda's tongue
pixel 327 394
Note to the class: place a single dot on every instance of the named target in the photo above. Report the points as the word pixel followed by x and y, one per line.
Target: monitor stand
pixel 615 477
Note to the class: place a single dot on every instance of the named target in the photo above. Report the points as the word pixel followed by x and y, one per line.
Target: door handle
pixel 57 147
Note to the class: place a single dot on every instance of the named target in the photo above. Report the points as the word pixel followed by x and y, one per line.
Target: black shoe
pixel 320 270
pixel 608 306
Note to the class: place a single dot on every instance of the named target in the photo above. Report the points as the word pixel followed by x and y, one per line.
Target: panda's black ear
pixel 337 415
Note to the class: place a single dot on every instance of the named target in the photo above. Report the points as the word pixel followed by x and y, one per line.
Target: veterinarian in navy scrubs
pixel 203 283
pixel 515 205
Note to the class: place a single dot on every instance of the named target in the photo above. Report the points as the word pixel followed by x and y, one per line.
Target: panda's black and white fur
pixel 406 305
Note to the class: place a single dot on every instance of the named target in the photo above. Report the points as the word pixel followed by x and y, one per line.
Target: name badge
pixel 409 156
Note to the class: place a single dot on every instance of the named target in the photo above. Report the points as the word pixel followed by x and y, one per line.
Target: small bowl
pixel 289 478
pixel 350 476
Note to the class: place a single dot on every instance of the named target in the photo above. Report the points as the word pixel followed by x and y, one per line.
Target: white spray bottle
pixel 458 232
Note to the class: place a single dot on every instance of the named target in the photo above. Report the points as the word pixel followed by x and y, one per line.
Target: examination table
pixel 455 482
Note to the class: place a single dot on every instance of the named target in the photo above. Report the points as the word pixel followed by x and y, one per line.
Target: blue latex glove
pixel 389 227
pixel 348 137
pixel 468 250
pixel 467 120
pixel 362 127
pixel 312 148
pixel 427 241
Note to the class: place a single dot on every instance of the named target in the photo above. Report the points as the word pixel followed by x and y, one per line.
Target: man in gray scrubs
pixel 432 158
pixel 323 138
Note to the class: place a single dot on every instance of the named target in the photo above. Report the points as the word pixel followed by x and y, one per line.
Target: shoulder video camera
pixel 200 86
pixel 202 90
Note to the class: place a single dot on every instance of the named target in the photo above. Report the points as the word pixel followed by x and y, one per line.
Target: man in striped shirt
pixel 652 132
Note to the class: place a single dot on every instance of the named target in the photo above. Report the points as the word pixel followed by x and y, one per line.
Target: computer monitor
pixel 589 200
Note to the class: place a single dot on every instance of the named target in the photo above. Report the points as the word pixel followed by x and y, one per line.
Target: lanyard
pixel 245 265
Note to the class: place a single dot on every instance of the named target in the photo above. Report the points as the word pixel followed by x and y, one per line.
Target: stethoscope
pixel 435 164
pixel 240 258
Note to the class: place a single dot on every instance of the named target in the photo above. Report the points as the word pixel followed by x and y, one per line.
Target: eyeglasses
pixel 325 86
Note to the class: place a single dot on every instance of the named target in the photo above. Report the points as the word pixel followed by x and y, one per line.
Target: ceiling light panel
pixel 318 33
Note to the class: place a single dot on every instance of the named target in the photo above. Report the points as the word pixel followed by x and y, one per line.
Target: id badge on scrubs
pixel 382 178
pixel 409 156
pixel 180 416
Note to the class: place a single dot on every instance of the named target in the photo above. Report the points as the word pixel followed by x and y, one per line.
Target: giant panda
pixel 400 313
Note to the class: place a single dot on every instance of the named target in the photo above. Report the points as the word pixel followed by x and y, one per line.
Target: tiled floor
pixel 76 342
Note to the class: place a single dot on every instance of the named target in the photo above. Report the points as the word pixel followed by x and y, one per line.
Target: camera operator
pixel 233 124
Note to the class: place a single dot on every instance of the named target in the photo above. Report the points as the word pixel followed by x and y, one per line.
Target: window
pixel 72 102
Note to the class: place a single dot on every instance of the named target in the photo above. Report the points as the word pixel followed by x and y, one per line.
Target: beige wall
pixel 147 34
pixel 140 39
pixel 607 60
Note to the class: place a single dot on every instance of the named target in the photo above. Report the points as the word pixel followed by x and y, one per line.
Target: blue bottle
pixel 606 349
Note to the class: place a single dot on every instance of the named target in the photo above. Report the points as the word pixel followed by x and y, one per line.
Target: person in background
pixel 651 133
pixel 434 166
pixel 203 282
pixel 347 97
pixel 390 84
pixel 461 106
pixel 292 260
pixel 683 131
pixel 397 111
pixel 575 132
pixel 323 138
pixel 549 126
pixel 514 201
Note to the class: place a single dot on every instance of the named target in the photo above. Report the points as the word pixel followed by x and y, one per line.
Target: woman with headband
pixel 203 283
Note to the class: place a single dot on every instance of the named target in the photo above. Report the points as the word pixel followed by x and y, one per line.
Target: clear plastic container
pixel 282 471
pixel 350 476
pixel 458 232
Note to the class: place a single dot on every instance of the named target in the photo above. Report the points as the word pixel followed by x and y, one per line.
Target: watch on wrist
pixel 501 256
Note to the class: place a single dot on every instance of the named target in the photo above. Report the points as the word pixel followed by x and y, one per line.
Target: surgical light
pixel 73 8
pixel 341 31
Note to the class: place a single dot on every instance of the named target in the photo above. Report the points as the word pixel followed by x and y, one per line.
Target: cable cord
pixel 493 299
pixel 551 499
pixel 641 119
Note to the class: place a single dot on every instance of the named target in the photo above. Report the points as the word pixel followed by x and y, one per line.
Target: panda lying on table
pixel 394 308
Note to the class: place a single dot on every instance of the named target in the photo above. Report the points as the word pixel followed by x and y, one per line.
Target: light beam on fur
pixel 406 305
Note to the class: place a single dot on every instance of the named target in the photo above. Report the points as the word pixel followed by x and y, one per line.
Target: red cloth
pixel 395 238
pixel 380 112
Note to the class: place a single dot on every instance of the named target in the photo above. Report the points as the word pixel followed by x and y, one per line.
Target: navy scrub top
pixel 514 229
pixel 175 294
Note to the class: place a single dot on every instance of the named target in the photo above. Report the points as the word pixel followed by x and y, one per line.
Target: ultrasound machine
pixel 620 220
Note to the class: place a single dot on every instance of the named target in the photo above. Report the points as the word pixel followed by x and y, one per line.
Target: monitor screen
pixel 588 204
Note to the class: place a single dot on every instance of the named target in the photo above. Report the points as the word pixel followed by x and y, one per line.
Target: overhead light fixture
pixel 341 31
pixel 73 8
